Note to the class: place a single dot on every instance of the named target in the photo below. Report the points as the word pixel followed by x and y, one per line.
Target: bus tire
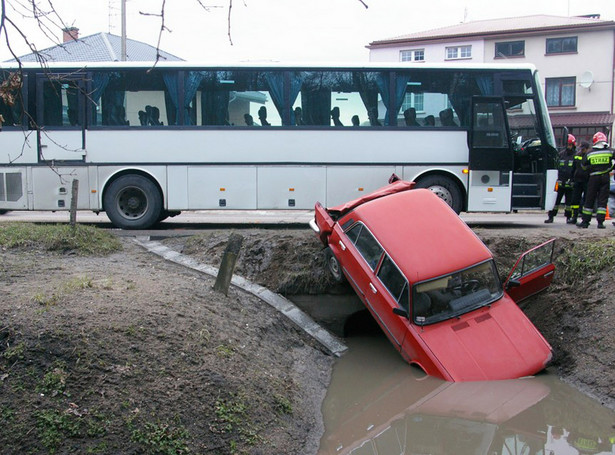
pixel 133 202
pixel 334 266
pixel 3 211
pixel 445 188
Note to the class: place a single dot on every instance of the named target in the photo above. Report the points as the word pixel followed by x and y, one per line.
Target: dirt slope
pixel 128 353
pixel 131 354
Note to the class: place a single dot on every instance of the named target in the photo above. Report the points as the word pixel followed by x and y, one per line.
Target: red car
pixel 433 287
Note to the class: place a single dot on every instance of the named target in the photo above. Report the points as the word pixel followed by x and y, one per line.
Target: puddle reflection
pixel 379 405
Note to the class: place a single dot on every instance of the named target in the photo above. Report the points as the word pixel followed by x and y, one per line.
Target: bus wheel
pixel 2 212
pixel 334 266
pixel 133 202
pixel 445 188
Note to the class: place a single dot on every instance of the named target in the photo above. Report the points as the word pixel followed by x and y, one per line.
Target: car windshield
pixel 455 294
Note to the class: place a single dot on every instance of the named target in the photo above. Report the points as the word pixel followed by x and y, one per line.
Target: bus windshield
pixel 456 294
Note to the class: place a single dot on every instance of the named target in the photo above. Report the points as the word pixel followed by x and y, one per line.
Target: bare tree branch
pixel 363 3
pixel 230 7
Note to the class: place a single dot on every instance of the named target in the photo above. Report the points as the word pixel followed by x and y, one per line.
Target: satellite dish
pixel 586 80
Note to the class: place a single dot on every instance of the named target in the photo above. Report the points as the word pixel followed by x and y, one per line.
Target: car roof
pixel 421 233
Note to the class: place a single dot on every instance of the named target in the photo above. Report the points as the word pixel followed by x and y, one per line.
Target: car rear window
pixel 366 244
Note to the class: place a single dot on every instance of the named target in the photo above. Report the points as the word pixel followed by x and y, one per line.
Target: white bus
pixel 148 142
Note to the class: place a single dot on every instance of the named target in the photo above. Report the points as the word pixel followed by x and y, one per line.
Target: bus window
pixel 61 103
pixel 234 98
pixel 11 102
pixel 489 130
pixel 436 94
pixel 339 98
pixel 134 98
pixel 432 98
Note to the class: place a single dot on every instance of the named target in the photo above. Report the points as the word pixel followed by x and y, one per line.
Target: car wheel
pixel 133 202
pixel 334 266
pixel 445 188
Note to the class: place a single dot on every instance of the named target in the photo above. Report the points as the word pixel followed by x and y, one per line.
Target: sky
pixel 284 30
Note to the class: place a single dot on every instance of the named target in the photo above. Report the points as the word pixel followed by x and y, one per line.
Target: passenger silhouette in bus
pixel 155 116
pixel 410 117
pixel 355 120
pixel 446 117
pixel 430 120
pixel 372 114
pixel 142 118
pixel 262 116
pixel 335 116
pixel 248 119
pixel 299 116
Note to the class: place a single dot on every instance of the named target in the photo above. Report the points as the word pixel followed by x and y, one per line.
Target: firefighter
pixel 599 162
pixel 580 176
pixel 564 180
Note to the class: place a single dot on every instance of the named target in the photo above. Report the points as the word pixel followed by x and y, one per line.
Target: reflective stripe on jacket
pixel 598 161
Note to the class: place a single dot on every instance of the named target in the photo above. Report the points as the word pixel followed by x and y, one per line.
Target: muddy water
pixel 379 405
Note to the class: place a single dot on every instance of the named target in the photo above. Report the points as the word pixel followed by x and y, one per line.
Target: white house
pixel 575 57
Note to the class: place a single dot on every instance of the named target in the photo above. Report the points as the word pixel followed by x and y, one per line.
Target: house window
pixel 414 55
pixel 458 52
pixel 560 91
pixel 561 45
pixel 510 49
pixel 415 100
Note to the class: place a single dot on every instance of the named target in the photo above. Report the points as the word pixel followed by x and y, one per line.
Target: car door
pixel 532 273
pixel 362 258
pixel 358 254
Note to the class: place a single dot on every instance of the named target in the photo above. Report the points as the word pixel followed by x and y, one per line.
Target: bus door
pixel 60 117
pixel 491 157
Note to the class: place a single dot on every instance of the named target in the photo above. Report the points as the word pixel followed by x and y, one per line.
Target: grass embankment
pixel 82 240
pixel 578 260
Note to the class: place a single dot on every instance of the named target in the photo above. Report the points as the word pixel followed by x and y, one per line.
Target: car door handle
pixel 342 246
pixel 373 288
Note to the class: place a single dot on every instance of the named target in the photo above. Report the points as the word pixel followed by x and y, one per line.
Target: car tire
pixel 133 202
pixel 445 188
pixel 334 266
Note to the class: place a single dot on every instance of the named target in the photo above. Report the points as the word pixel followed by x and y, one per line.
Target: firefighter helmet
pixel 599 137
pixel 572 140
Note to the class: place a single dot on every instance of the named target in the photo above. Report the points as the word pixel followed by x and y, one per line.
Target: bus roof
pixel 422 234
pixel 268 64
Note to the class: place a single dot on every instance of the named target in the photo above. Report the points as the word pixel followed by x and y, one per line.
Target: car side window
pixel 394 281
pixel 366 244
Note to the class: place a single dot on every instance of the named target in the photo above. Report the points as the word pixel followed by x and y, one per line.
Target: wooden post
pixel 73 203
pixel 227 267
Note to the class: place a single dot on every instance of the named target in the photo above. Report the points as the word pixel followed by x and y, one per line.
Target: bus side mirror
pixel 400 312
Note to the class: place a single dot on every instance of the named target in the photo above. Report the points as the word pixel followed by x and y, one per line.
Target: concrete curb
pixel 333 345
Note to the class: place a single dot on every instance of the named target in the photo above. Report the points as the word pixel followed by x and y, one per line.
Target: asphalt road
pixel 190 222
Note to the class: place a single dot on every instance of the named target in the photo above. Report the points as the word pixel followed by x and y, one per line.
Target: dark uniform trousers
pixel 597 192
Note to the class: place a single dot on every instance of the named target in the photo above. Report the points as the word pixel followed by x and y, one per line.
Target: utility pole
pixel 123 14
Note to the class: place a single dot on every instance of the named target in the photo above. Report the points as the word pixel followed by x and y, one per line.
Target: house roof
pixel 495 27
pixel 569 119
pixel 101 47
